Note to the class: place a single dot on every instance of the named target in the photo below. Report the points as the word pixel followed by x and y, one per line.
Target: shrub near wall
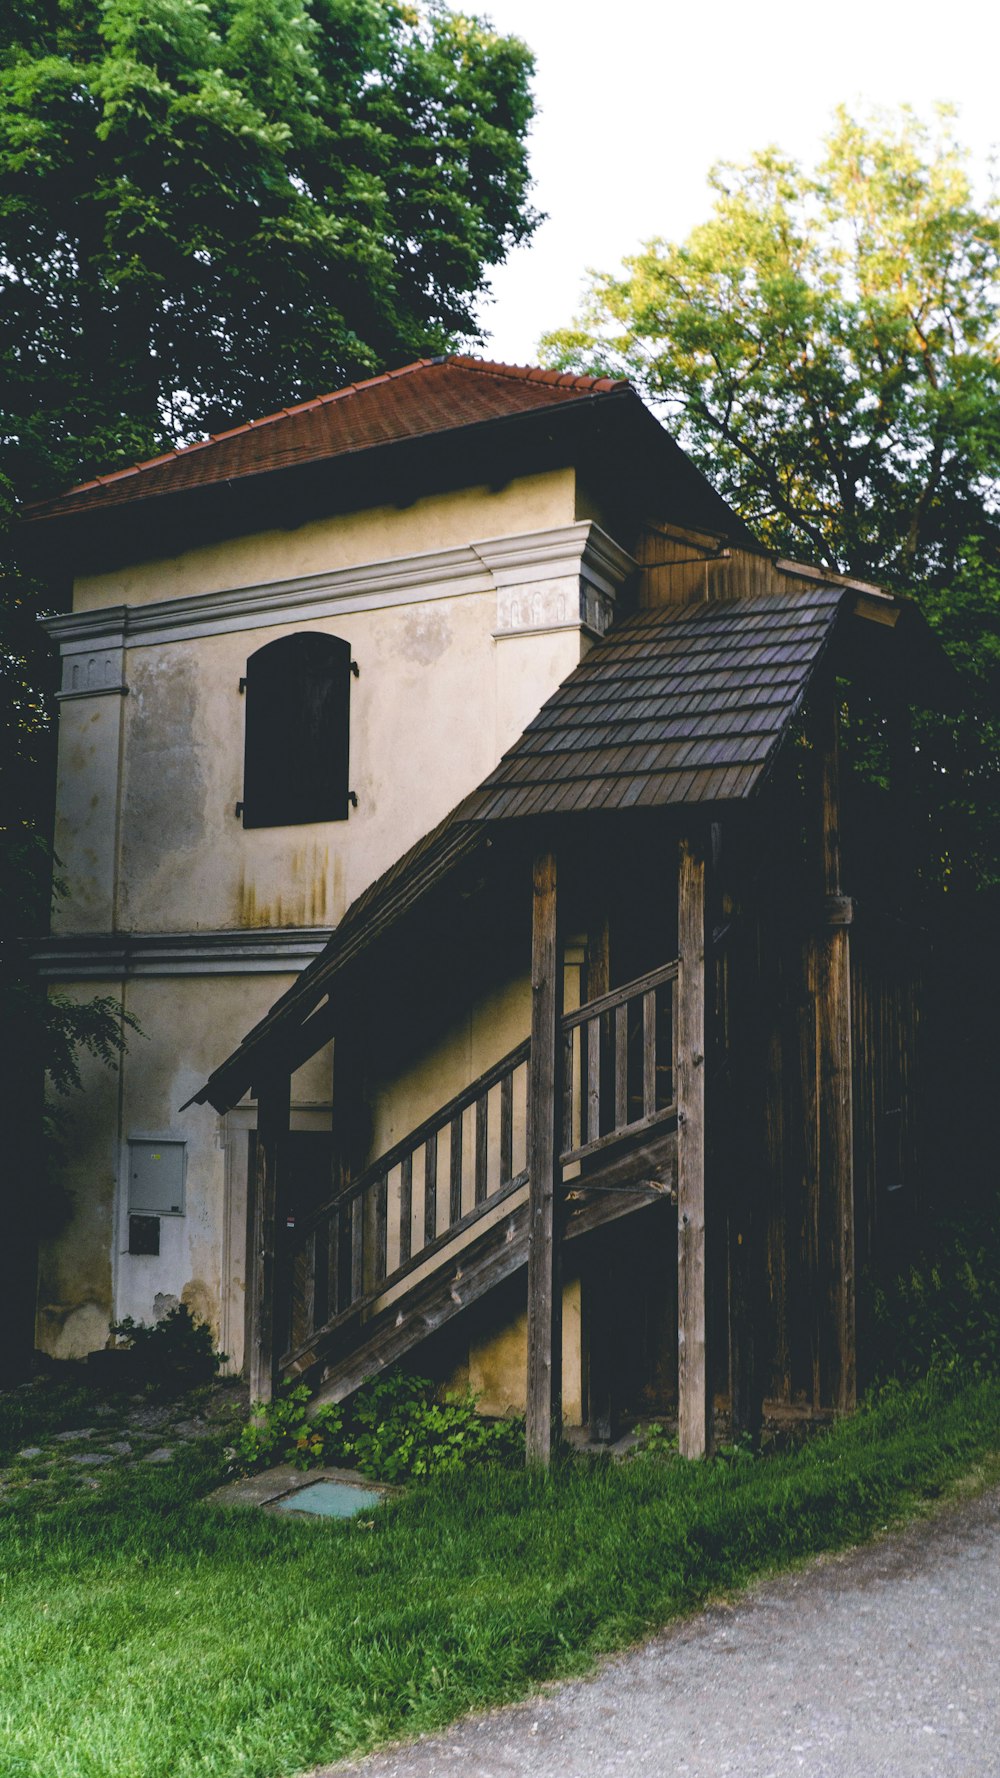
pixel 392 1429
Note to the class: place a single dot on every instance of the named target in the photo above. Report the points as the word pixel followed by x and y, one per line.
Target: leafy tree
pixel 827 347
pixel 209 208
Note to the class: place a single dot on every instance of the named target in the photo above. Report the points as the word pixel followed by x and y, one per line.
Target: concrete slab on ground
pixel 274 1487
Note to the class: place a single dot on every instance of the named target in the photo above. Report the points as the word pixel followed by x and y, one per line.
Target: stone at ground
pixel 65 1438
pixel 120 1447
pixel 162 1454
pixel 276 1488
pixel 31 1451
pixel 880 1663
pixel 149 1416
pixel 90 1457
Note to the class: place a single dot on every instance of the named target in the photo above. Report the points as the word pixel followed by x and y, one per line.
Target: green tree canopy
pixel 827 347
pixel 210 208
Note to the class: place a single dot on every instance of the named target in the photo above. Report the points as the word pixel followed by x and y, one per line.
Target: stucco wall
pixel 151 770
pixel 438 521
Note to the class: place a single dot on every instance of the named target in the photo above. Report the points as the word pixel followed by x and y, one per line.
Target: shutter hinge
pixel 352 797
pixel 355 669
pixel 243 685
pixel 239 809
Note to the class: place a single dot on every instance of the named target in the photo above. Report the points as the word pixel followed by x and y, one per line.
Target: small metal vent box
pixel 156 1178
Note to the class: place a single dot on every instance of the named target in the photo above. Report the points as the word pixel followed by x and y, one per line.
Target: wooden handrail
pixel 394 1278
pixel 618 996
pixel 339 1255
pixel 408 1144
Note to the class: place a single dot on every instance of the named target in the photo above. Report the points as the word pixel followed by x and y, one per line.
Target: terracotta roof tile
pixel 428 396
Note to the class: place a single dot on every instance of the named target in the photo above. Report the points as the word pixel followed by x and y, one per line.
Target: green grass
pixel 146 1635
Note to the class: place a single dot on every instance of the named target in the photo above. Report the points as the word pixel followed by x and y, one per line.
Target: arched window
pixel 296 752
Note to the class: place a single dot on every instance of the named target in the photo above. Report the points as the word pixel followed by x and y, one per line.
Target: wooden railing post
pixel 831 975
pixel 601 1273
pixel 273 1117
pixel 544 1384
pixel 694 1379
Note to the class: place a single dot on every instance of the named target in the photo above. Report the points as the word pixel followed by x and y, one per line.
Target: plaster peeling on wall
pixel 165 794
pixel 203 1303
pixel 426 636
pixel 74 1333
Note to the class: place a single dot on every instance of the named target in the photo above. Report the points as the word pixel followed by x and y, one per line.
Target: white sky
pixel 638 99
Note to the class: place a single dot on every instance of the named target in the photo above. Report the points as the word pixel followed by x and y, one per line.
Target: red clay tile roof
pixel 429 396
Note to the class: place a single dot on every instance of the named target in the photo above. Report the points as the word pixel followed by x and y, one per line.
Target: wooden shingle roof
pixel 680 704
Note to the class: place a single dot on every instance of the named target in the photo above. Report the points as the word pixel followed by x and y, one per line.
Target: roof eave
pixel 98 538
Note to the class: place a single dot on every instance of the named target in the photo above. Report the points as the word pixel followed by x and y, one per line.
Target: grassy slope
pixel 144 1635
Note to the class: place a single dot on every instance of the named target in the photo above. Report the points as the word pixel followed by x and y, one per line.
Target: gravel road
pixel 881 1663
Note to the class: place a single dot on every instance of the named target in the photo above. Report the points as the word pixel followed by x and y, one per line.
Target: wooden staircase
pixel 442 1218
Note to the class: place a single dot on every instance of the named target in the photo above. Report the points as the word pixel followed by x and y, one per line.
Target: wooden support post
pixel 834 1075
pixel 544 1391
pixel 694 1380
pixel 601 1273
pixel 273 1116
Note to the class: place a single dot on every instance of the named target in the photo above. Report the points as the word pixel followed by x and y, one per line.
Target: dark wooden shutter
pixel 296 753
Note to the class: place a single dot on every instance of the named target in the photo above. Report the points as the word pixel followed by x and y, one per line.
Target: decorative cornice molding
pixel 560 552
pixel 564 579
pixel 118 956
pixel 93 691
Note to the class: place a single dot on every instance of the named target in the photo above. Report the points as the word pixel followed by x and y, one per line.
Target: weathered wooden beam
pixel 834 1069
pixel 694 1382
pixel 273 1117
pixel 544 1388
pixel 600 1275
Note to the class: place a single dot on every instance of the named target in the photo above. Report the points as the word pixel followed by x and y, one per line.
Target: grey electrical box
pixel 156 1178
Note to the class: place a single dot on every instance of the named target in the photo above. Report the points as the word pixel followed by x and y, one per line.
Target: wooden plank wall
pixel 679 567
pixel 797 1363
pixel 891 1093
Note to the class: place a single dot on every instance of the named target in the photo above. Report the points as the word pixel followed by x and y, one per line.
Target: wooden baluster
pixel 307 1304
pixel 593 1030
pixel 405 1208
pixel 455 1171
pixel 649 1053
pixel 430 1187
pixel 344 1215
pixel 621 1066
pixel 381 1236
pixel 568 1098
pixel 357 1247
pixel 321 1277
pixel 507 1128
pixel 330 1237
pixel 482 1136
